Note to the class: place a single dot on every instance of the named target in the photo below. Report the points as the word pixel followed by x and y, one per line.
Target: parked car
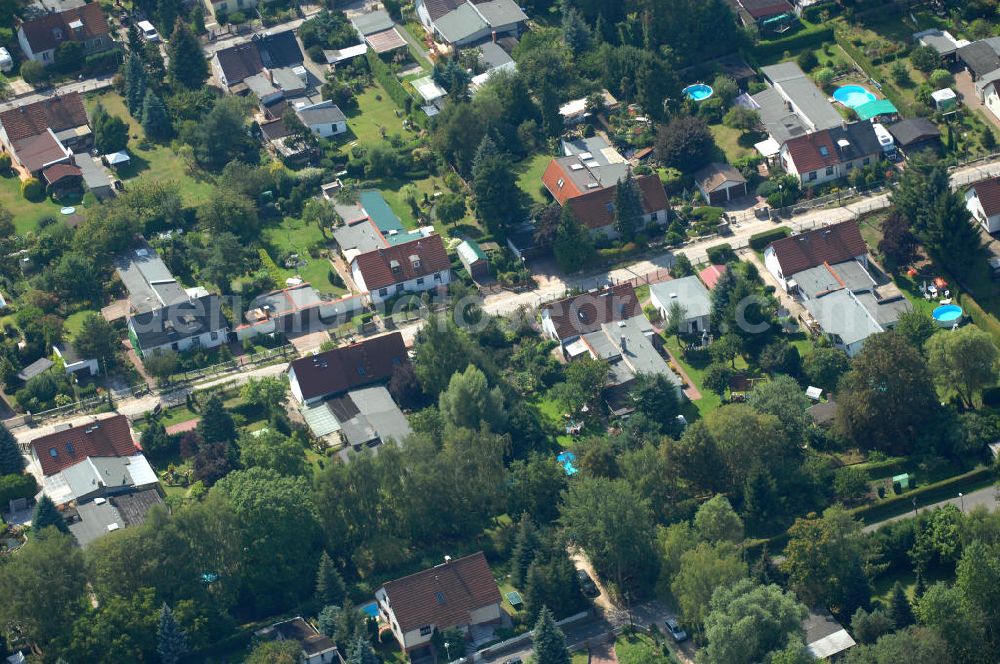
pixel 515 660
pixel 676 631
pixel 148 32
pixel 587 584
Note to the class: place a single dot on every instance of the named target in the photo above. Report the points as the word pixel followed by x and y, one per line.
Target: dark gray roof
pixel 322 113
pixel 94 176
pixel 937 40
pixel 980 57
pixel 36 368
pixel 278 49
pixel 914 130
pixel 780 121
pixel 164 326
pixel 862 139
pixel 492 56
pixel 369 416
pixel 149 282
pixel 825 278
pixel 798 88
pixel 689 292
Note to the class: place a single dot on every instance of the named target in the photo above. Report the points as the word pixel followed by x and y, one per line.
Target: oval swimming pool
pixel 948 314
pixel 853 96
pixel 698 91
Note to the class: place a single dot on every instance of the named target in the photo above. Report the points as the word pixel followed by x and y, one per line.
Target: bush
pixel 237 18
pixel 4 163
pixel 761 240
pixel 941 78
pixel 33 190
pixel 34 72
pixel 16 485
pixel 315 53
pixel 824 77
pixel 807 61
pixel 721 254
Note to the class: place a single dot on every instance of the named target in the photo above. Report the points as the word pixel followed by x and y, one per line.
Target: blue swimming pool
pixel 948 314
pixel 853 96
pixel 698 91
pixel 567 459
pixel 370 609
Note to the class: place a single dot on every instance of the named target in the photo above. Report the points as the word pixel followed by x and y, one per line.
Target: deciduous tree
pixel 746 622
pixel 964 360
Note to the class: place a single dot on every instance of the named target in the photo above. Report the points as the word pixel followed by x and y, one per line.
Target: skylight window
pixel 439 596
pixel 824 151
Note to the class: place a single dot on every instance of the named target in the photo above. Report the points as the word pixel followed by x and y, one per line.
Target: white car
pixel 148 32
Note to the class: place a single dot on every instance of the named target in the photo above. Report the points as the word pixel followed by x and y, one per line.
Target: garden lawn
pixel 294 236
pixel 157 162
pixel 529 177
pixel 640 649
pixel 372 115
pixel 410 31
pixel 733 142
pixel 26 214
pixel 72 325
pixel 579 657
pixel 709 400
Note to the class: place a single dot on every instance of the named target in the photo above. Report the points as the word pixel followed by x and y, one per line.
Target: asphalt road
pixel 987 498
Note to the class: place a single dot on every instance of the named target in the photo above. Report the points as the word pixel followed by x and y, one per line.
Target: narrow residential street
pixel 987 498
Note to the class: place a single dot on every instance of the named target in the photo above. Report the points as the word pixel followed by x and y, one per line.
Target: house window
pixel 213 336
pixel 824 151
pixel 399 288
pixel 45 56
pixel 361 371
pixel 560 182
pixel 222 6
pixel 610 207
pixel 653 216
pixel 849 165
pixel 174 345
pixel 867 161
pixel 829 170
pixel 437 276
pixel 425 630
pixel 812 175
pixel 383 291
pixel 98 42
pixel 420 281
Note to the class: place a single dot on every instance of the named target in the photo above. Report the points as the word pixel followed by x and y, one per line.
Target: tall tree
pixel 135 84
pixel 526 545
pixel 549 641
pixel 716 521
pixel 684 143
pixel 172 641
pixel 97 339
pixel 627 208
pixel 964 360
pixel 899 607
pixel 703 570
pixel 887 400
pixel 470 403
pixel 360 652
pixel 188 65
pixel 330 588
pixel 47 516
pixel 573 246
pixel 498 199
pixel 216 424
pixel 155 119
pixel 11 459
pixel 221 137
pixel 747 622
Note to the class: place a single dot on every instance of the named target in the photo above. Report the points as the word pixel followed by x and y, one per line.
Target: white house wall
pixel 975 206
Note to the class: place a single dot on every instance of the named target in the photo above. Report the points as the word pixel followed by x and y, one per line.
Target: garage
pixel 720 183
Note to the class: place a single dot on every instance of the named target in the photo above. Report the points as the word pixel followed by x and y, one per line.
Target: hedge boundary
pixel 813 36
pixel 764 238
pixel 383 74
pixel 925 496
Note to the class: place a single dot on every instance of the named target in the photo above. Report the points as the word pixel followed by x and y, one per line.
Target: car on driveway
pixel 587 584
pixel 676 631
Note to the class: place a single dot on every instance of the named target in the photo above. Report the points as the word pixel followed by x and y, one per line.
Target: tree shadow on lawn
pixel 134 168
pixel 467 230
pixel 749 139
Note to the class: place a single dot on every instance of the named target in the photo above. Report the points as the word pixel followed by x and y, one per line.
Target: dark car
pixel 587 584
pixel 676 631
pixel 515 660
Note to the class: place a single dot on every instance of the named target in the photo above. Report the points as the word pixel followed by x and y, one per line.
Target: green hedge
pixel 982 319
pixel 383 74
pixel 925 495
pixel 16 485
pixel 761 240
pixel 810 37
pixel 272 268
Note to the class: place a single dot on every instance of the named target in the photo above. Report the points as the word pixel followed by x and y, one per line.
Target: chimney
pixel 447 559
pixel 624 343
pixel 494 36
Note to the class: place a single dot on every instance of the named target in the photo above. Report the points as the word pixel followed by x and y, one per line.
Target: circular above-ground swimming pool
pixel 948 314
pixel 698 91
pixel 853 96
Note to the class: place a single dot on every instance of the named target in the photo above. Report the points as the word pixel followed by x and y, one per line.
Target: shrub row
pixel 272 268
pixel 982 319
pixel 925 495
pixel 808 38
pixel 383 74
pixel 761 240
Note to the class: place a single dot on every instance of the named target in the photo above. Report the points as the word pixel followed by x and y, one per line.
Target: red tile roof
pixel 595 209
pixel 832 244
pixel 711 274
pixel 550 178
pixel 57 113
pixel 443 596
pixel 587 312
pixel 35 152
pixel 988 192
pixel 49 31
pixel 342 369
pixel 110 437
pixel 806 152
pixel 377 266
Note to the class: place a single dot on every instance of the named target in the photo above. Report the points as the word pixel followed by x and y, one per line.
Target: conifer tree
pixel 46 515
pixel 549 641
pixel 172 644
pixel 11 459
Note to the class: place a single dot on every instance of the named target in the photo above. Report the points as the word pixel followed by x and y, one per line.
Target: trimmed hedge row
pixel 761 240
pixel 383 74
pixel 925 495
pixel 810 37
pixel 982 319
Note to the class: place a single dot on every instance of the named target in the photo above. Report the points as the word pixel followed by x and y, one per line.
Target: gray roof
pixel 885 312
pixel 781 123
pixel 150 284
pixel 460 24
pixel 363 235
pixel 94 176
pixel 323 113
pixel 178 321
pixel 368 416
pixel 288 301
pixel 287 80
pixel 688 291
pixel 638 352
pixel 261 85
pixel 914 130
pixel 937 40
pixel 120 511
pixel 840 314
pixel 600 163
pixel 491 55
pixel 499 13
pixel 36 368
pixel 980 57
pixel 372 22
pixel 795 86
pixel 823 278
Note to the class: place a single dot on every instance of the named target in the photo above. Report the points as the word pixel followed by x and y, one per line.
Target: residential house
pixel 411 267
pixel 92 460
pixel 916 134
pixel 196 323
pixel 35 369
pixel 73 362
pixel 149 283
pixel 830 154
pixel 829 244
pixel 339 370
pixel 316 648
pixel 457 594
pixel 379 32
pixel 493 59
pixel 693 298
pixel 575 111
pixel 459 23
pixel 44 133
pixel 981 58
pixel 941 41
pixel 95 175
pixel 224 7
pixel 323 118
pixel 764 14
pixel 298 308
pixel 825 637
pixel 566 320
pixel 365 417
pixel 370 224
pixel 983 201
pixel 269 65
pixel 585 180
pixel 40 37
pixel 94 518
pixel 473 259
pixel 720 183
pixel 793 105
